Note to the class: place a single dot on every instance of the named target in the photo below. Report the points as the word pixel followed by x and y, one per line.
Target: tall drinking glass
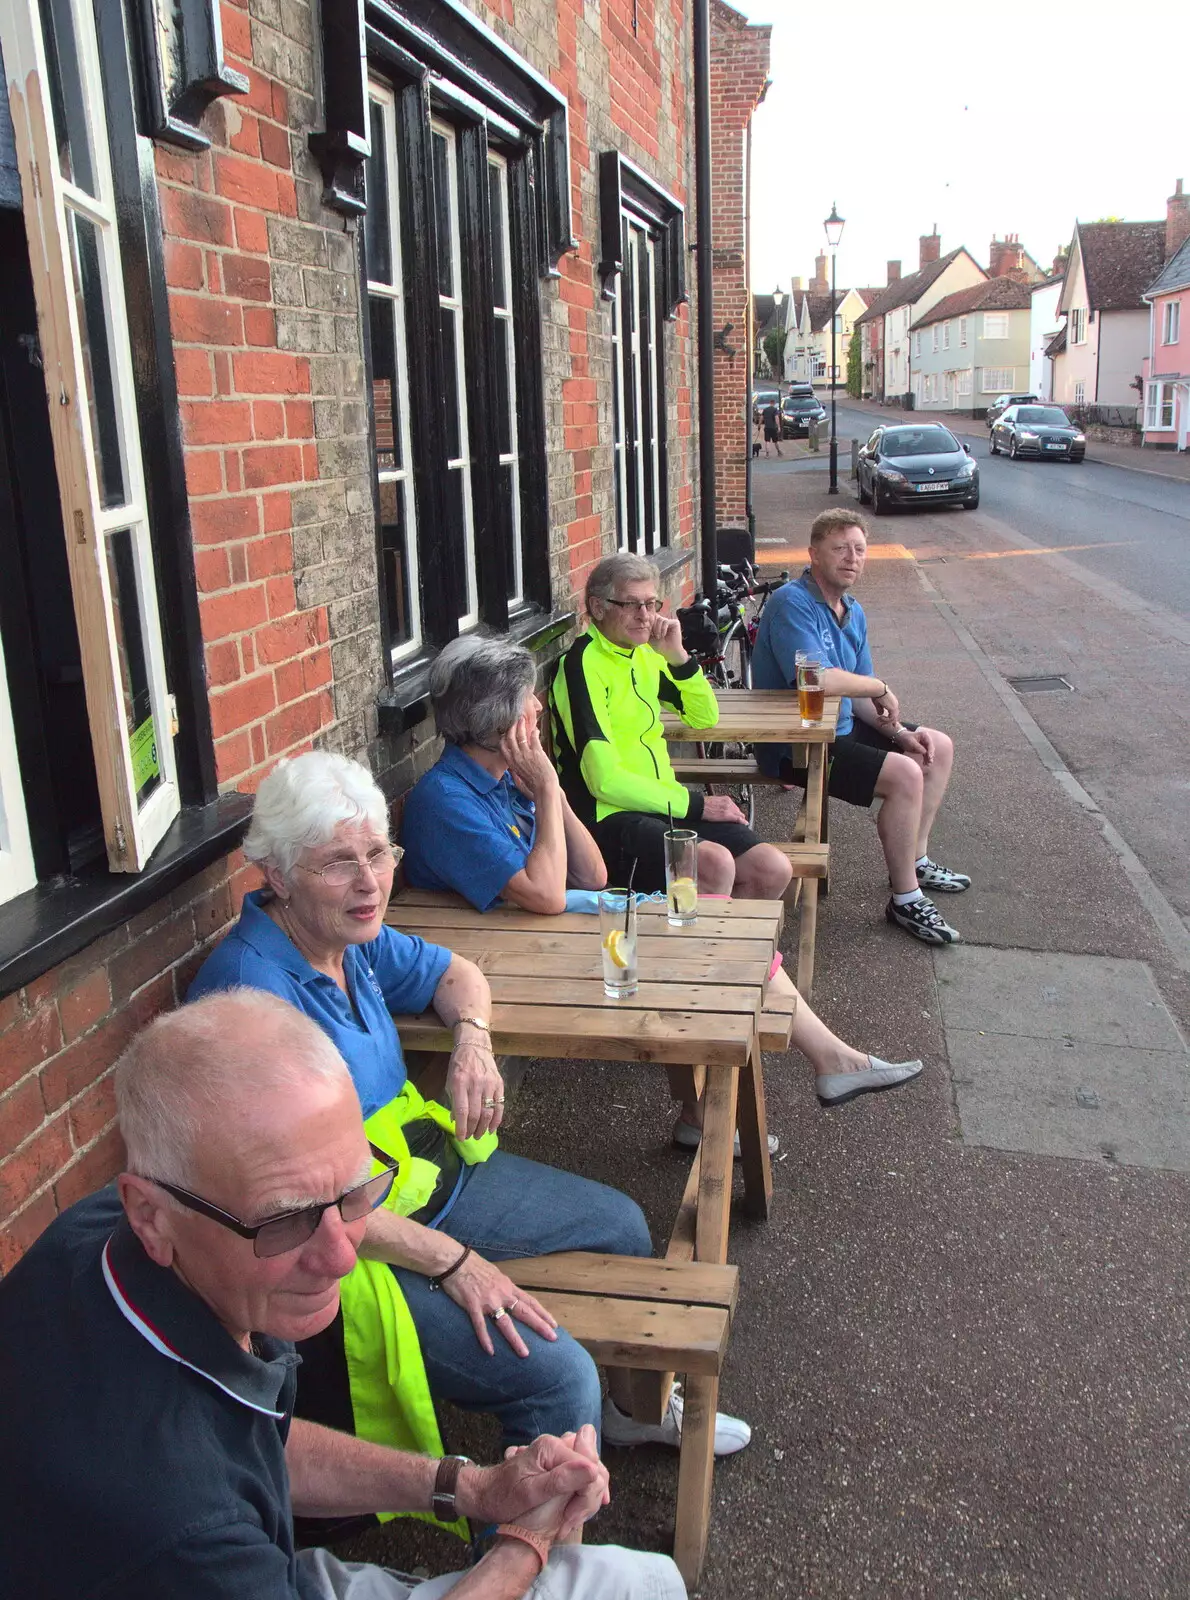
pixel 811 695
pixel 617 942
pixel 681 876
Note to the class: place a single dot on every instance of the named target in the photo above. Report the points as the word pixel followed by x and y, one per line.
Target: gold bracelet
pixel 476 1022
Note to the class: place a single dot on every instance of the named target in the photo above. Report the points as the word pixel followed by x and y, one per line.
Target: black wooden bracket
pixel 184 70
pixel 343 147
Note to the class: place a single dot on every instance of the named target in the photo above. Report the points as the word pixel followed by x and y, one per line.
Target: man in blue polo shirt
pixel 148 1447
pixel 875 755
pixel 490 819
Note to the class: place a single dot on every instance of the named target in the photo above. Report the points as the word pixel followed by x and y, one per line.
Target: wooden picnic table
pixel 700 1010
pixel 771 716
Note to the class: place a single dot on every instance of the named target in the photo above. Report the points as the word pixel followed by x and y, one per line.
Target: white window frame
pixel 996 325
pixel 1080 393
pixel 402 476
pixel 510 460
pixel 962 333
pixel 917 343
pixel 997 380
pixel 1171 321
pixel 452 302
pixel 620 431
pixel 1078 325
pixel 963 382
pixel 935 339
pixel 1160 401
pixel 646 358
pixel 131 832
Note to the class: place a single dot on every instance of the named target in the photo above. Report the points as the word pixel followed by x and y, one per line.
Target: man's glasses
pixel 637 605
pixel 293 1228
pixel 346 869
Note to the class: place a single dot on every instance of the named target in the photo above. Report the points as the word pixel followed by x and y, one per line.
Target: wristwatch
pixel 476 1022
pixel 442 1501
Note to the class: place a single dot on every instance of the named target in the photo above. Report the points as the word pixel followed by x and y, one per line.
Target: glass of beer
pixel 811 695
pixel 617 942
pixel 681 876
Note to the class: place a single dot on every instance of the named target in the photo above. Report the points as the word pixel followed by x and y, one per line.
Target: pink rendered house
pixel 1166 368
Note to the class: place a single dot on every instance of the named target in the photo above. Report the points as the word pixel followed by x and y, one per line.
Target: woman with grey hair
pixel 490 820
pixel 316 936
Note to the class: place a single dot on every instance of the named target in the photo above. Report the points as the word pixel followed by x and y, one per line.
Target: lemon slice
pixel 616 945
pixel 683 896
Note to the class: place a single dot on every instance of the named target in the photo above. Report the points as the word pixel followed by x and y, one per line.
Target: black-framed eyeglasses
pixel 276 1235
pixel 637 605
pixel 346 869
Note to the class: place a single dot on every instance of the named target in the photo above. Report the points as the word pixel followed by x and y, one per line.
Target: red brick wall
pixel 60 1038
pixel 739 75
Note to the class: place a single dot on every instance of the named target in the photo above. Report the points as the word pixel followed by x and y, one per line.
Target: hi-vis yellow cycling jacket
pixel 609 745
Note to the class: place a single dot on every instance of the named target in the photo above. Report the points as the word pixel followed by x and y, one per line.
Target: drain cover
pixel 1041 684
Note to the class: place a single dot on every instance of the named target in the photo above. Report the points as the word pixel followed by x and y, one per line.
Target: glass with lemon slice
pixel 681 876
pixel 617 942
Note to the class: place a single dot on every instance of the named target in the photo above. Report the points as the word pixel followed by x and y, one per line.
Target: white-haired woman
pixel 489 820
pixel 316 936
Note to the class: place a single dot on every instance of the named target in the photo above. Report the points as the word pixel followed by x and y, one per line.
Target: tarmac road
pixel 1122 524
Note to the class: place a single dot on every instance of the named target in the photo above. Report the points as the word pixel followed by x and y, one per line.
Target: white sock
pixel 908 899
pixel 922 861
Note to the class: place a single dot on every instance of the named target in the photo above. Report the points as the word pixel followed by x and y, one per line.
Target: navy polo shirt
pixel 798 617
pixel 142 1450
pixel 396 972
pixel 465 830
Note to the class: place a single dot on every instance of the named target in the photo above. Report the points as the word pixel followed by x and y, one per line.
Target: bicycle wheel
pixel 737 658
pixel 742 793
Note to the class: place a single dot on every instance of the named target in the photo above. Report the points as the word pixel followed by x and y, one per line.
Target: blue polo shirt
pixel 798 617
pixel 465 830
pixel 396 972
pixel 142 1450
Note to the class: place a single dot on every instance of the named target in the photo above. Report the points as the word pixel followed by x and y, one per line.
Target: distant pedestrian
pixel 771 416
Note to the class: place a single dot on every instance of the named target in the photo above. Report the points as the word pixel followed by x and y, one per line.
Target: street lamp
pixel 833 227
pixel 778 302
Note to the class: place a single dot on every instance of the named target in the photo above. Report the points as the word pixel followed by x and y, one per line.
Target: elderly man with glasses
pixel 607 696
pixel 148 1445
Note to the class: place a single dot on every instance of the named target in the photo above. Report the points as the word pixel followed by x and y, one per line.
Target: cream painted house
pixel 808 334
pixel 1110 266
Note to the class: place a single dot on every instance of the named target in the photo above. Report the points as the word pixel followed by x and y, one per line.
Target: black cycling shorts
pixel 855 764
pixel 628 836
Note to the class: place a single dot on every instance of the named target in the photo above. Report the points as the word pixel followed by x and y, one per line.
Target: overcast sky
pixel 984 120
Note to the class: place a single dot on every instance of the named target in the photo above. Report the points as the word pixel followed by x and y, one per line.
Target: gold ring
pixel 490 1103
pixel 496 1315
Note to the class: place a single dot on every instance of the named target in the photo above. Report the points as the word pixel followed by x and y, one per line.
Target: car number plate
pixel 932 488
pixel 1055 447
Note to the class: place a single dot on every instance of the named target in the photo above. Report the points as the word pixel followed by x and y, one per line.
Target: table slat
pixel 658 950
pixel 536 990
pixel 505 920
pixel 589 1033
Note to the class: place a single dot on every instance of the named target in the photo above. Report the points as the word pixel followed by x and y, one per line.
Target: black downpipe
pixel 706 309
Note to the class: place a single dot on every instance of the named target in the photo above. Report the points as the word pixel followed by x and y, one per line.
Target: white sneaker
pixel 731 1433
pixel 687 1137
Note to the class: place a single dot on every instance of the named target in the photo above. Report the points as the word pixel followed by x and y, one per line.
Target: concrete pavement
pixel 962 1336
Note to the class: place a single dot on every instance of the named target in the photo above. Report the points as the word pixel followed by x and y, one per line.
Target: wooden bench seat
pixel 652 1317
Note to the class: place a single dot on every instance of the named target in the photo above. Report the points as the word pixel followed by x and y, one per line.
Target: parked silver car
pixel 1002 402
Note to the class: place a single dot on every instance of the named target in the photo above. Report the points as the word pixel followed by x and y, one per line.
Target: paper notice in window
pixel 143 748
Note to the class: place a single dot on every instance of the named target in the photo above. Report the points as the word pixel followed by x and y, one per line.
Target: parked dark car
pixel 1038 431
pixel 762 398
pixel 1002 402
pixel 906 465
pixel 798 415
pixel 798 387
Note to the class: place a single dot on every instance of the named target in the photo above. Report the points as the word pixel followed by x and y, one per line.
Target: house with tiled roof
pixel 1166 369
pixel 971 346
pixel 767 316
pixel 1108 270
pixel 808 334
pixel 886 357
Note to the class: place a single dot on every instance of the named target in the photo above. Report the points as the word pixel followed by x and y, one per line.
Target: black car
pixel 798 415
pixel 909 465
pixel 1038 431
pixel 1002 402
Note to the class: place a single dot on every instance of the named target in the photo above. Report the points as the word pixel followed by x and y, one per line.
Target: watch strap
pixel 442 1501
pixel 536 1541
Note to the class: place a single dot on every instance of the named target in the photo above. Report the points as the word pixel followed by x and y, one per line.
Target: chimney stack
pixel 820 283
pixel 1177 220
pixel 930 248
pixel 797 286
pixel 1006 259
pixel 1058 270
pixel 894 271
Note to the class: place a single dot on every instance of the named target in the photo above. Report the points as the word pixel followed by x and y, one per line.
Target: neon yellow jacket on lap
pixel 609 744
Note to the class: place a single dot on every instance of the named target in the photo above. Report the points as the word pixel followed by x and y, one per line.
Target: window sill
pixel 56 920
pixel 669 560
pixel 406 701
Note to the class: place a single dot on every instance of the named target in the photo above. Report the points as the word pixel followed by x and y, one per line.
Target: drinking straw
pixel 628 897
pixel 670 809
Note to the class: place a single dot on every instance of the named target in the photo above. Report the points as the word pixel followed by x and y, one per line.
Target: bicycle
pixel 723 647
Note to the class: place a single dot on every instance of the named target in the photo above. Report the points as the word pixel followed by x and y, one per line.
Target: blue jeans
pixel 509 1207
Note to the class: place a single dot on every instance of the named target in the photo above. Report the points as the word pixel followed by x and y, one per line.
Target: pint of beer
pixel 810 693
